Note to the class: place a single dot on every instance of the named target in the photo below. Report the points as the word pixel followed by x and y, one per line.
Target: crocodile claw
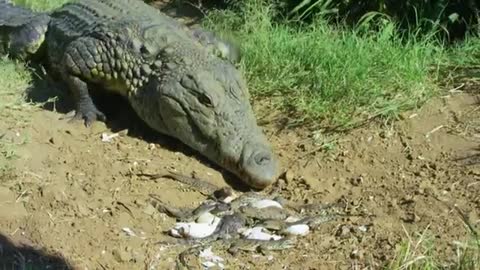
pixel 88 115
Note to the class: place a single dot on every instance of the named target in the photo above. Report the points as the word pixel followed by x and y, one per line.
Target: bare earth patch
pixel 74 194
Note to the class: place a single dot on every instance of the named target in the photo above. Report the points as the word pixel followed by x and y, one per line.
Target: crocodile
pixel 182 82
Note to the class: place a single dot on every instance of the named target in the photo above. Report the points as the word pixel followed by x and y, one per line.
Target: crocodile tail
pixel 22 31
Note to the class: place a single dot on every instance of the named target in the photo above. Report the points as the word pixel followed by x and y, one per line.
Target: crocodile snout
pixel 259 166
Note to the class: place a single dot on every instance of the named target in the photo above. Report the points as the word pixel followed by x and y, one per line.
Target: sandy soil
pixel 70 193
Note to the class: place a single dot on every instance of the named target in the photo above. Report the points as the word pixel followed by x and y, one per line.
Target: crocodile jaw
pixel 235 143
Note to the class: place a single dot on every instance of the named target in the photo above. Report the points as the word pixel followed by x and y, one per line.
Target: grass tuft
pixel 40 5
pixel 331 73
pixel 14 79
pixel 418 253
pixel 13 82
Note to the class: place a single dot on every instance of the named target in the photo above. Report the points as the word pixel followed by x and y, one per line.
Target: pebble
pixel 289 175
pixel 343 232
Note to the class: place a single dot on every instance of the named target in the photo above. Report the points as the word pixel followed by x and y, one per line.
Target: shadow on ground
pixel 20 257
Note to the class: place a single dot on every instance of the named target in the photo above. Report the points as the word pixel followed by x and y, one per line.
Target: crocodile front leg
pixel 79 60
pixel 85 108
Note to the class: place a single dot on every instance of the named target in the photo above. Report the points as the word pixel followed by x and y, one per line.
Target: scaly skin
pixel 186 214
pixel 266 213
pixel 22 32
pixel 174 78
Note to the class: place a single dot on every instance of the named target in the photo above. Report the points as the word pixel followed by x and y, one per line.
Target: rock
pixel 310 181
pixel 289 176
pixel 410 217
pixel 357 255
pixel 343 232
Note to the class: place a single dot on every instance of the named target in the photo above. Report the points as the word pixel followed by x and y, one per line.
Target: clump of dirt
pixel 73 193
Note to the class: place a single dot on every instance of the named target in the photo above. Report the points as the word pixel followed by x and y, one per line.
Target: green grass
pixel 466 54
pixel 418 253
pixel 40 5
pixel 14 80
pixel 331 73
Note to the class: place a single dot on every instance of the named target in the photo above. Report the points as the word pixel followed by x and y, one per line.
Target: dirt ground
pixel 70 193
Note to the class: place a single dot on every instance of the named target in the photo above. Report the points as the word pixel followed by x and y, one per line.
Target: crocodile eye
pixel 144 50
pixel 205 100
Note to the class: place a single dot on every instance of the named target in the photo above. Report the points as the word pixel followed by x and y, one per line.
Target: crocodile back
pixel 78 18
pixel 130 25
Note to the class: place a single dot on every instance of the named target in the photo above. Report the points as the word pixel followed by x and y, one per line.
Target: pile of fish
pixel 249 216
pixel 250 221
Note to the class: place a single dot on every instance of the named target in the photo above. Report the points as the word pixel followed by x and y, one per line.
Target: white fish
pixel 297 229
pixel 265 203
pixel 292 219
pixel 193 229
pixel 228 199
pixel 259 233
pixel 207 217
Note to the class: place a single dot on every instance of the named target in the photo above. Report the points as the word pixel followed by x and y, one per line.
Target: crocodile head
pixel 25 41
pixel 203 101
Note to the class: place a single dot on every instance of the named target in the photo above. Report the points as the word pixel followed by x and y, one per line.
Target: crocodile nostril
pixel 262 158
pixel 259 165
